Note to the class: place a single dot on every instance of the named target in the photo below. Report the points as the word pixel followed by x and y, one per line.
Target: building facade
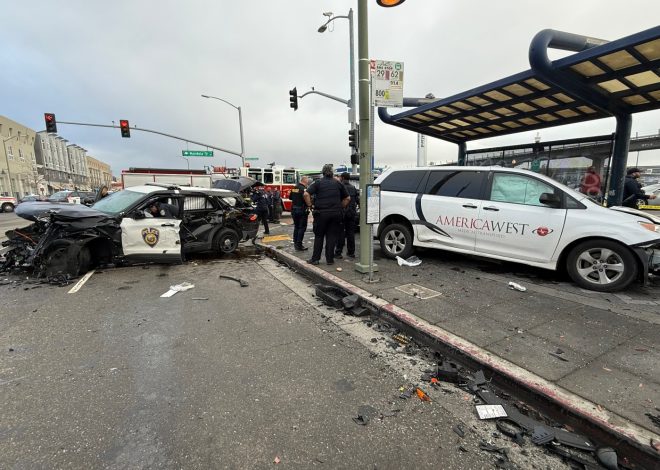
pixel 62 165
pixel 18 166
pixel 100 173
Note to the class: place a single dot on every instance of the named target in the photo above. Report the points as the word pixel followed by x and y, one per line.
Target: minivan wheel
pixel 226 241
pixel 396 240
pixel 601 265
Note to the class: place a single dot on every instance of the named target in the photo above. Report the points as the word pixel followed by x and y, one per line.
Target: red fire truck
pixel 276 177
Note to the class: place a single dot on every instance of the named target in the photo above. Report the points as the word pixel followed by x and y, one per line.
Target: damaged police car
pixel 156 223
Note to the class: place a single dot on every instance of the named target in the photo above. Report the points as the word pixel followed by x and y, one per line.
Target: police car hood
pixel 59 211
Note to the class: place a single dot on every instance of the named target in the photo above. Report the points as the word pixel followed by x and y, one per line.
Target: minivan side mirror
pixel 550 199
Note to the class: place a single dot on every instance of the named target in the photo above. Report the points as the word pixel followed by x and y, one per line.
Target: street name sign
pixel 386 83
pixel 197 153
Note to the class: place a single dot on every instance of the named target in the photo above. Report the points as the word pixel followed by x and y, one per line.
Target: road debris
pixel 276 460
pixel 458 429
pixel 558 357
pixel 184 286
pixel 655 419
pixel 242 282
pixel 412 261
pixel 422 395
pixel 81 282
pixel 516 286
pixel 491 411
pixel 365 414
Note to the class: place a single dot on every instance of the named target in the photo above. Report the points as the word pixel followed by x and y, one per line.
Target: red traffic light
pixel 51 123
pixel 125 128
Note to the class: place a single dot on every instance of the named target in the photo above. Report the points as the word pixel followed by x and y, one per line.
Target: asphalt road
pixel 9 221
pixel 114 376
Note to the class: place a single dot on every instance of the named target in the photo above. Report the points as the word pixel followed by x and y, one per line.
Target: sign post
pixel 372 217
pixel 197 153
pixel 386 83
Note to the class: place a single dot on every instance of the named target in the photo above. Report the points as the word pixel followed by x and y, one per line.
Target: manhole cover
pixel 418 291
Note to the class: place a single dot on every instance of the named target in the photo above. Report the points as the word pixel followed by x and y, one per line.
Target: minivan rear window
pixel 403 181
pixel 452 183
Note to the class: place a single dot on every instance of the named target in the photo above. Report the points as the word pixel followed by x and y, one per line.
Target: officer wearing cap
pixel 299 213
pixel 330 197
pixel 350 213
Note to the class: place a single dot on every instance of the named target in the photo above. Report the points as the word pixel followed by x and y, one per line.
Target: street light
pixel 187 161
pixel 240 123
pixel 351 104
pixel 366 176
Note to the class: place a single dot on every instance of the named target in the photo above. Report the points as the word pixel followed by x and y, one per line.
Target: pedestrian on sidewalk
pixel 330 197
pixel 299 213
pixel 261 207
pixel 269 200
pixel 349 215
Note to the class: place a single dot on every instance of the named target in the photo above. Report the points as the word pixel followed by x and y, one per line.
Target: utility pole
pixel 366 176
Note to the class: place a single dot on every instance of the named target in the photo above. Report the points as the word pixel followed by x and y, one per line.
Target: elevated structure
pixel 603 79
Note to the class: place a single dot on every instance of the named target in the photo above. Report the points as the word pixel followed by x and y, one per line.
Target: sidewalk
pixel 595 354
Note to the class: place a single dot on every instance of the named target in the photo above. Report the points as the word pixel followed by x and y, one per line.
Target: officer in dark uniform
pixel 300 213
pixel 349 220
pixel 261 207
pixel 330 197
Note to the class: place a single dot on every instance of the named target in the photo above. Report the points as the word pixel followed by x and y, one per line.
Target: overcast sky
pixel 149 61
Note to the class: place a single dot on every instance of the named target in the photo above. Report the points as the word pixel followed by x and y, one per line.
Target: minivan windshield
pixel 118 202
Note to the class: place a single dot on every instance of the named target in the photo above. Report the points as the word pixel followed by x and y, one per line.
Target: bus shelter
pixel 602 79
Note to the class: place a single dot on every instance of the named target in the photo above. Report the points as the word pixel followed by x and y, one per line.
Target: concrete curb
pixel 610 427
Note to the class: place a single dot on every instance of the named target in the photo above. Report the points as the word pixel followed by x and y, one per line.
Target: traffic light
pixel 51 124
pixel 353 137
pixel 355 158
pixel 125 128
pixel 293 98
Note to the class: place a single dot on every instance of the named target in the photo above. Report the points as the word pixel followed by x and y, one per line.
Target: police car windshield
pixel 118 202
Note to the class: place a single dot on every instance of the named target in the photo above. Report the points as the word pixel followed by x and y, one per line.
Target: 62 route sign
pixel 197 153
pixel 386 83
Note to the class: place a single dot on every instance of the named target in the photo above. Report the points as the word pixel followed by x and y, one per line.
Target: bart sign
pixel 386 83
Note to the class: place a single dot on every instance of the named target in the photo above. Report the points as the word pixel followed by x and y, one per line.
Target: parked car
pixel 76 196
pixel 127 227
pixel 31 198
pixel 520 216
pixel 7 203
pixel 653 189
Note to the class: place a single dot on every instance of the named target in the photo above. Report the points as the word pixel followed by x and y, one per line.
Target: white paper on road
pixel 82 282
pixel 491 411
pixel 412 261
pixel 178 288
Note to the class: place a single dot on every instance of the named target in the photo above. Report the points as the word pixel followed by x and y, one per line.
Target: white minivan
pixel 520 216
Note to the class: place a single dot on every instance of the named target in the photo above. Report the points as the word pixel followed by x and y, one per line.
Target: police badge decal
pixel 150 236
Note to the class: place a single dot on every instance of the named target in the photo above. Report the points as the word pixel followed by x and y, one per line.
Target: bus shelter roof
pixel 618 77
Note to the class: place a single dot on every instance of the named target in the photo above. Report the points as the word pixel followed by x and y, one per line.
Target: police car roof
pixel 147 189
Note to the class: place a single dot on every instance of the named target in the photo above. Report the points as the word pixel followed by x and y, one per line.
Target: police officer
pixel 261 207
pixel 300 213
pixel 330 197
pixel 277 205
pixel 350 213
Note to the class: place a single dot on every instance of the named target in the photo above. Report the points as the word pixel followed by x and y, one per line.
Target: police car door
pixel 151 239
pixel 515 224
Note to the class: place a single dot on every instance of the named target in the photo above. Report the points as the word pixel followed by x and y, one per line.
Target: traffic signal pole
pixel 135 128
pixel 366 176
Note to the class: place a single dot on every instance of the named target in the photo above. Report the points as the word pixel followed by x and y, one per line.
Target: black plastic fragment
pixel 607 458
pixel 447 372
pixel 350 301
pixel 365 414
pixel 542 435
pixel 330 295
pixel 458 429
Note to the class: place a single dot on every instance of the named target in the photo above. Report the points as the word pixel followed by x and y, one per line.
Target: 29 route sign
pixel 197 153
pixel 386 83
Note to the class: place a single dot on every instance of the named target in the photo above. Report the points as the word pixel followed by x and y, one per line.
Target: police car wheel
pixel 7 207
pixel 601 265
pixel 396 240
pixel 226 241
